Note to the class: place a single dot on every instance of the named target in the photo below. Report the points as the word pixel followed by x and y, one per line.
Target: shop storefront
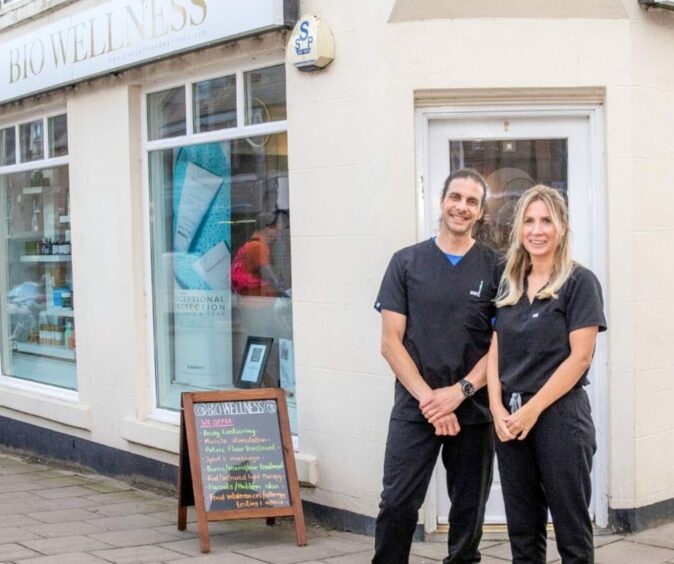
pixel 152 155
pixel 146 219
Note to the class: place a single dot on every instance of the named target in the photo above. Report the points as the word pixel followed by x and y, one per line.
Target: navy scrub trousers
pixel 550 468
pixel 411 452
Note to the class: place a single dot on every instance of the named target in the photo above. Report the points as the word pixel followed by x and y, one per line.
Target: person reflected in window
pixel 549 311
pixel 252 273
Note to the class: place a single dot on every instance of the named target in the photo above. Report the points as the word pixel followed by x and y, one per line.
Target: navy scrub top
pixel 533 339
pixel 449 309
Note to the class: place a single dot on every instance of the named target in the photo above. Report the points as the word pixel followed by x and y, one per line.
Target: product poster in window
pixel 201 265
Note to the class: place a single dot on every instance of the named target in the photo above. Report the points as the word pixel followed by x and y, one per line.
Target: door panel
pixel 512 153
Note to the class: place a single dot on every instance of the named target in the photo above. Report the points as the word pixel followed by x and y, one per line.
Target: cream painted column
pixel 108 259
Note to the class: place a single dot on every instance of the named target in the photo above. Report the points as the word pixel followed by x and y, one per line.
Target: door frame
pixel 598 249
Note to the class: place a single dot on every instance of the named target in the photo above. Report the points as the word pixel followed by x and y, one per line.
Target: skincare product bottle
pixel 68 335
pixel 34 223
pixel 42 324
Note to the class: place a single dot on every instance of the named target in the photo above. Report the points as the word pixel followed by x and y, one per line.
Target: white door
pixel 514 151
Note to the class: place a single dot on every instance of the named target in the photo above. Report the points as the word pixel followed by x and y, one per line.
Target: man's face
pixel 461 206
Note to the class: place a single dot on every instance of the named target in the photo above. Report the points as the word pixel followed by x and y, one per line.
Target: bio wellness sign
pixel 123 33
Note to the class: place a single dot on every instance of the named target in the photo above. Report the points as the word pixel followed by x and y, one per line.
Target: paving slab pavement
pixel 52 515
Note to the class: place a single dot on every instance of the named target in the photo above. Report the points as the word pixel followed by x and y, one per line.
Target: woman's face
pixel 540 237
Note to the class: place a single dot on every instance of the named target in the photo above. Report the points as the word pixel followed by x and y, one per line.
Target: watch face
pixel 468 389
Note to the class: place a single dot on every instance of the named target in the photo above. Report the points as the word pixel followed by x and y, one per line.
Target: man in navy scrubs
pixel 437 309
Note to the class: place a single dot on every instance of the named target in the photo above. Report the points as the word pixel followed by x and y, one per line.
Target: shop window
pixel 7 146
pixel 31 140
pixel 38 323
pixel 265 95
pixel 166 115
pixel 214 104
pixel 220 242
pixel 58 136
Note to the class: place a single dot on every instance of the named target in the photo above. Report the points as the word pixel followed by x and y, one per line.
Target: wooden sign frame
pixel 190 486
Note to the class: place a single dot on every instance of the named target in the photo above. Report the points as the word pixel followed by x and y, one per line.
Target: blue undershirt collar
pixel 454 259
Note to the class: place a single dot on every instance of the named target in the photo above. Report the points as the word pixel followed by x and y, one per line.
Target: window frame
pixel 241 131
pixel 7 4
pixel 15 121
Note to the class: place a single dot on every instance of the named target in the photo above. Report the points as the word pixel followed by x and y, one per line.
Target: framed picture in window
pixel 255 357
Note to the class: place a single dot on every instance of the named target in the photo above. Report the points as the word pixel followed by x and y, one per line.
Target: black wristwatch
pixel 467 388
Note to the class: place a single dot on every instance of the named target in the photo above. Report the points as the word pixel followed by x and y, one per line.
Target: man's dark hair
pixel 471 174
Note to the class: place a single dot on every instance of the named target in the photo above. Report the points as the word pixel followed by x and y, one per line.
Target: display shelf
pixel 60 311
pixel 46 350
pixel 25 235
pixel 46 258
pixel 39 189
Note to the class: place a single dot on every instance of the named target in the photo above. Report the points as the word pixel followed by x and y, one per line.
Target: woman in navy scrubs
pixel 550 310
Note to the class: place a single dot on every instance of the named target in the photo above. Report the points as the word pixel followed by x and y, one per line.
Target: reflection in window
pixel 220 264
pixel 265 95
pixel 7 146
pixel 166 113
pixel 58 136
pixel 214 104
pixel 38 340
pixel 510 167
pixel 32 141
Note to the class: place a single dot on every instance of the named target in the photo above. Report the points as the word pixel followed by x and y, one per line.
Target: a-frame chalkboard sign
pixel 237 460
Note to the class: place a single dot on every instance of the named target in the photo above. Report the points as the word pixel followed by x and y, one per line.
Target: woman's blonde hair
pixel 518 261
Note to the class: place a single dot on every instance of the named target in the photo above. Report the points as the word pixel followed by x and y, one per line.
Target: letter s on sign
pixel 204 11
pixel 304 28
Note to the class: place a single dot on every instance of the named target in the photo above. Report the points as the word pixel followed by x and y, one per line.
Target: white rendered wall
pixel 352 172
pixel 652 304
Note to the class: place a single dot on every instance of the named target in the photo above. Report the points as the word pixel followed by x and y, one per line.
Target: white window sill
pixel 152 433
pixel 45 402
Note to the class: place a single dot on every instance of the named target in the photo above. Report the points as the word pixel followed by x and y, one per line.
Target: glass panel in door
pixel 510 167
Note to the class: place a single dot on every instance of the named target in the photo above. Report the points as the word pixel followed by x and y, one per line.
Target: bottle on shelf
pixel 59 331
pixel 34 222
pixel 42 325
pixel 71 341
pixel 68 335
